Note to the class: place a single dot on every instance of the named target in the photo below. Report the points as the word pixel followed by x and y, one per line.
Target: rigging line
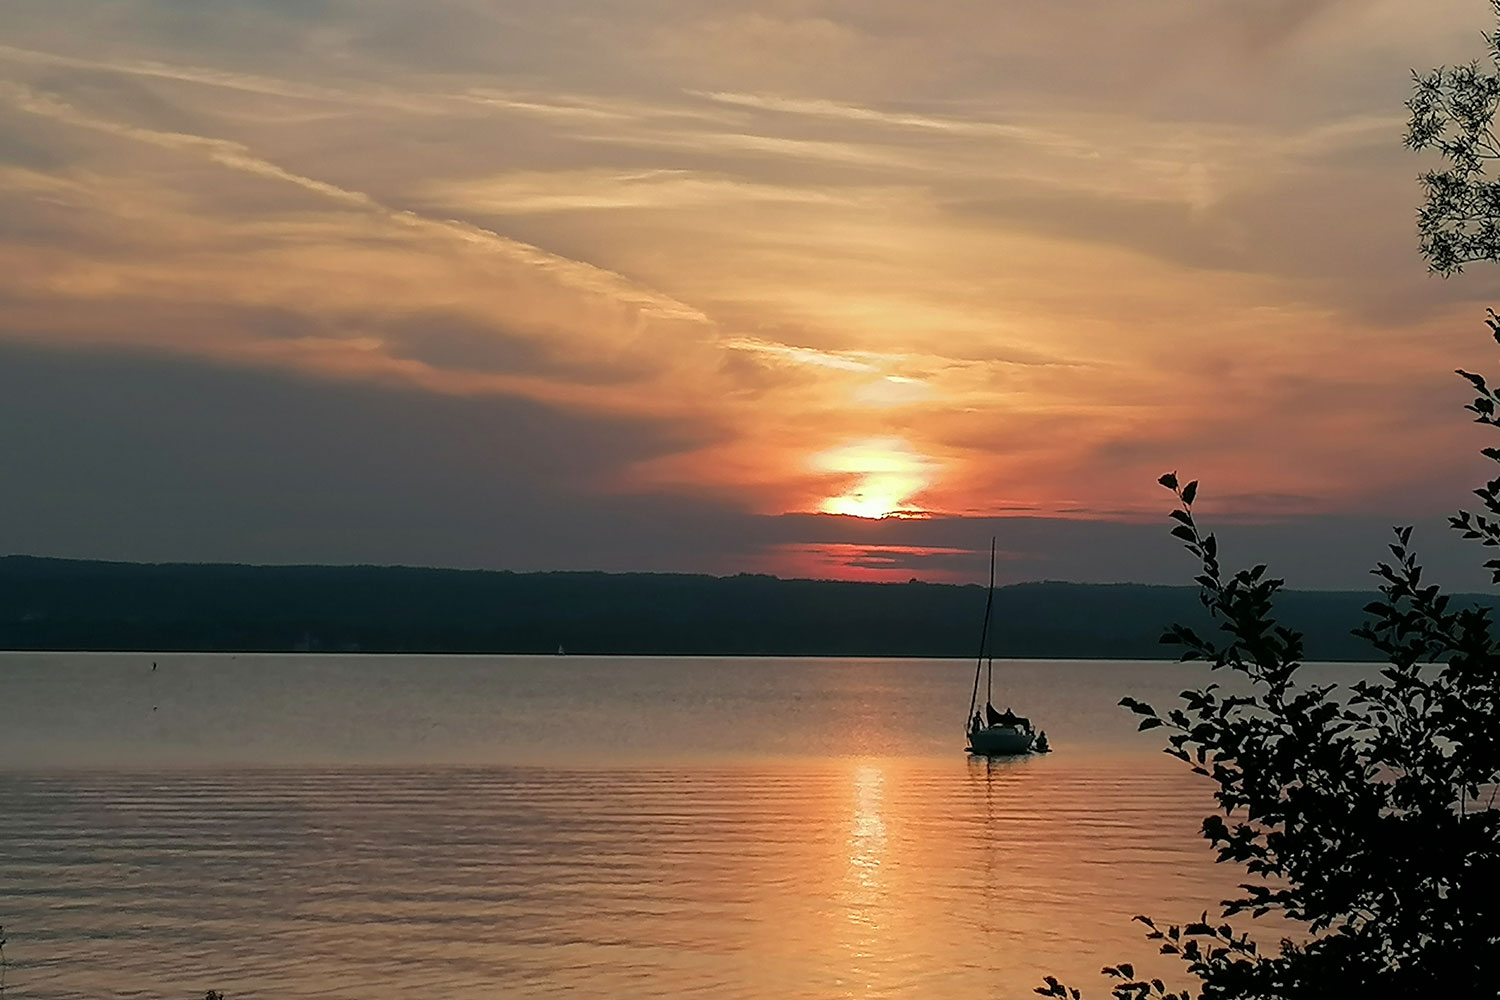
pixel 984 635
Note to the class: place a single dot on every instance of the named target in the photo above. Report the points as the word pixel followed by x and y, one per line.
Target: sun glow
pixel 889 474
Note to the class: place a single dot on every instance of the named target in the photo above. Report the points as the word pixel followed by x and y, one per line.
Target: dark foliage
pixel 1365 816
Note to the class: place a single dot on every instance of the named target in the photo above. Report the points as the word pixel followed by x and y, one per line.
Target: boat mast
pixel 984 637
pixel 989 655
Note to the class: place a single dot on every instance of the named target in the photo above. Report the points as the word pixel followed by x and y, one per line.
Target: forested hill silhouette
pixel 79 605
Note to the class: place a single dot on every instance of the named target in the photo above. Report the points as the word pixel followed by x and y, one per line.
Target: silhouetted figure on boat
pixel 1006 718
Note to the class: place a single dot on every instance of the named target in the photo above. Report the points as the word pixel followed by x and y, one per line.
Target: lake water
pixel 466 827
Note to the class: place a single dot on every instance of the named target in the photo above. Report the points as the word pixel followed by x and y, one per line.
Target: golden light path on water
pixel 864 889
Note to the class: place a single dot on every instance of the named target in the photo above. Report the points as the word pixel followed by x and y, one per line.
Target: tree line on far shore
pixel 63 605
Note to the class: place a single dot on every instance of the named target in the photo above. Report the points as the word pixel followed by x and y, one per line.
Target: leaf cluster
pixel 1452 113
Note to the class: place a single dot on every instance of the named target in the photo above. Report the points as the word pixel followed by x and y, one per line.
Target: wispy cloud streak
pixel 236 156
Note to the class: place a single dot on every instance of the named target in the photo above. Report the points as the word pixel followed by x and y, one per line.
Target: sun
pixel 890 473
pixel 874 498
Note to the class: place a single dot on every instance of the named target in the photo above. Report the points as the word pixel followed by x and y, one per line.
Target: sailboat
pixel 993 733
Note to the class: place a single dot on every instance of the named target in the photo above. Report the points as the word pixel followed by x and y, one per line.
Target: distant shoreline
pixel 78 606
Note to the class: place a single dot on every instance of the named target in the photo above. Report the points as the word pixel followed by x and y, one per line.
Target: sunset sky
pixel 810 287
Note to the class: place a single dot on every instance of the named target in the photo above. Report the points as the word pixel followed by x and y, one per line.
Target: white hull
pixel 998 741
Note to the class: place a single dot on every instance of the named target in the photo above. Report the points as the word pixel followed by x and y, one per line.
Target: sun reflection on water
pixel 867 835
pixel 863 898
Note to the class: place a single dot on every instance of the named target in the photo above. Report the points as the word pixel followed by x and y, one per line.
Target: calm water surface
pixel 466 827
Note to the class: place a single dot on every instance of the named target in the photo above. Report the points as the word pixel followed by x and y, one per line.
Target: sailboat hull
pixel 1001 741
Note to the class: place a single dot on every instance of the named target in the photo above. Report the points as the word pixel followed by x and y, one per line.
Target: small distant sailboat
pixel 994 733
